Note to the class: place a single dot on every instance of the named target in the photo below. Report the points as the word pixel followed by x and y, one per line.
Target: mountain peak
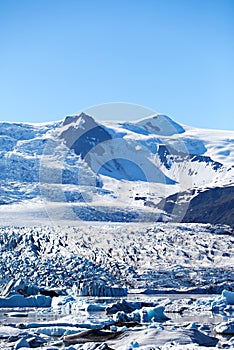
pixel 161 125
pixel 126 166
pixel 80 117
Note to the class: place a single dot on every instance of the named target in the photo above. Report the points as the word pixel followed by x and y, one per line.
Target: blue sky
pixel 59 57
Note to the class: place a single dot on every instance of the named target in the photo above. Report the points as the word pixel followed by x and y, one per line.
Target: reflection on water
pixel 79 312
pixel 49 314
pixel 29 315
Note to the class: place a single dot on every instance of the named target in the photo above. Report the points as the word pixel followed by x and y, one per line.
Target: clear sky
pixel 59 57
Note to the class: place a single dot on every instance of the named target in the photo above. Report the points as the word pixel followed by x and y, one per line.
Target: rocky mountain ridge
pixel 148 168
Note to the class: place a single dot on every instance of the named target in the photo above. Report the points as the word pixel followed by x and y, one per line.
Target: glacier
pixel 116 235
pixel 80 169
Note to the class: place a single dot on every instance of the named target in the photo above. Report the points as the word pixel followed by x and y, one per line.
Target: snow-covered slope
pixel 114 171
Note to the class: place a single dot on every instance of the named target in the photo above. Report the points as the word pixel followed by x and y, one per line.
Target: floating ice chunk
pixel 127 306
pixel 36 341
pixel 145 315
pixel 220 302
pixel 7 331
pixel 205 328
pixel 95 308
pixel 55 331
pixel 153 314
pixel 225 327
pixel 229 296
pixel 69 321
pixel 122 317
pixel 21 343
pixel 229 309
pixel 21 301
pixel 210 304
pixel 62 300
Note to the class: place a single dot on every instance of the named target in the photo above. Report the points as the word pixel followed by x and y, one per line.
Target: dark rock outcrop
pixel 214 206
pixel 82 133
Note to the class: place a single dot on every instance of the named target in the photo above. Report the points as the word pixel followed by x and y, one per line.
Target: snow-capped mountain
pixel 149 170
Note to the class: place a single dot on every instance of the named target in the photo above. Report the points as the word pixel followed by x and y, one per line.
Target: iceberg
pixel 21 301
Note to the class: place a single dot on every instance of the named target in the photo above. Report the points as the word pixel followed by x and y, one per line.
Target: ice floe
pixel 21 301
pixel 100 293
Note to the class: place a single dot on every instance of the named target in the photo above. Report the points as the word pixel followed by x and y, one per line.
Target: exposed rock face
pixel 130 165
pixel 161 125
pixel 82 133
pixel 108 154
pixel 215 205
